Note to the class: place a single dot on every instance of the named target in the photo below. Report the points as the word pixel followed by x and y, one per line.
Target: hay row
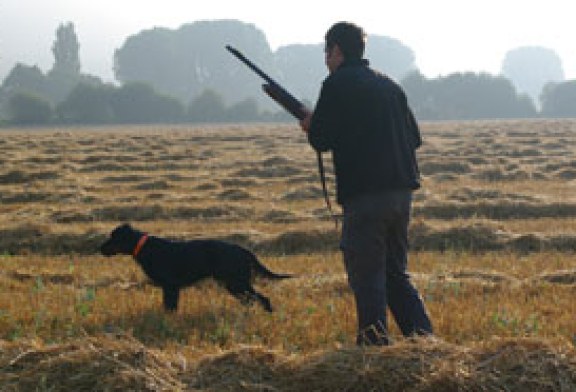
pixel 119 363
pixel 489 204
pixel 481 277
pixel 30 239
pixel 501 210
pixel 90 364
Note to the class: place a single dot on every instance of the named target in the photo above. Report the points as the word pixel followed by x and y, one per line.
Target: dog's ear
pixel 123 228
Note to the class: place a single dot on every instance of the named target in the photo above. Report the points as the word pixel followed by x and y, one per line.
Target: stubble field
pixel 493 237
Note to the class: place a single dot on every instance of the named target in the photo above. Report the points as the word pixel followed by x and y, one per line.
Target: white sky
pixel 445 35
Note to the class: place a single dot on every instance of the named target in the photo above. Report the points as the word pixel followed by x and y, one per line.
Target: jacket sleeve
pixel 414 130
pixel 324 123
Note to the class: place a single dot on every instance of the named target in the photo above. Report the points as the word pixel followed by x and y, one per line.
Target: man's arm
pixel 305 122
pixel 322 124
pixel 414 129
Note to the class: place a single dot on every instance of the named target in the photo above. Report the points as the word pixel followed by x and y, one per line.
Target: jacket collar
pixel 354 63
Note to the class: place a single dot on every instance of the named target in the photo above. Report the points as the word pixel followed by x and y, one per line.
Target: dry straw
pixel 121 363
pixel 89 364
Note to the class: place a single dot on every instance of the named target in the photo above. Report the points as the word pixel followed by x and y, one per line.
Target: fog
pixel 446 35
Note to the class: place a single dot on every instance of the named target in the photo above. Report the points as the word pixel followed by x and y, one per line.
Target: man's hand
pixel 305 122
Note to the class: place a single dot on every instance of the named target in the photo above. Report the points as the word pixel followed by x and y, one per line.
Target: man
pixel 363 117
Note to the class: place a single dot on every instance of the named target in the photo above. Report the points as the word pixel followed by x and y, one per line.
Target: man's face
pixel 333 57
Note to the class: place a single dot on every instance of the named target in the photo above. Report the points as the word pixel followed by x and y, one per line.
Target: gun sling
pixel 293 106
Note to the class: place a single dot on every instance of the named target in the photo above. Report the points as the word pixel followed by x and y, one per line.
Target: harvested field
pixel 119 363
pixel 493 243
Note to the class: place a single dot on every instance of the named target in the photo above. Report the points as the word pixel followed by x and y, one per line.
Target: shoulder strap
pixel 324 188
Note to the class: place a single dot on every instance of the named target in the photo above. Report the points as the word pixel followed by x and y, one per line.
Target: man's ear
pixel 337 52
pixel 337 57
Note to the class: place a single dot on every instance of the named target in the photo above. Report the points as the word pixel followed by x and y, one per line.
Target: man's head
pixel 344 41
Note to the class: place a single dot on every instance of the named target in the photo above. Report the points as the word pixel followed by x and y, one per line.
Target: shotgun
pixel 273 89
pixel 292 106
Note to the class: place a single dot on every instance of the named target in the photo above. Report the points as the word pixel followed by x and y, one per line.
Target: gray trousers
pixel 375 248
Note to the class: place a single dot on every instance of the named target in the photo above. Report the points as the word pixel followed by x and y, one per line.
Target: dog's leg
pixel 171 295
pixel 247 295
pixel 264 301
pixel 240 293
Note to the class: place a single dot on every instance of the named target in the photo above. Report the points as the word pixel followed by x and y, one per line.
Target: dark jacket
pixel 363 117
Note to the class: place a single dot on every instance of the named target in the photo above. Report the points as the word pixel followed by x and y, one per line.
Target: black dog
pixel 173 265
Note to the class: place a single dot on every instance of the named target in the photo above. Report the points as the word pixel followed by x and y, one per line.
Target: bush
pixel 138 103
pixel 207 107
pixel 87 104
pixel 29 109
pixel 558 99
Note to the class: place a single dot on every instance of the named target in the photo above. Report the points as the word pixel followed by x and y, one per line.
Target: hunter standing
pixel 363 117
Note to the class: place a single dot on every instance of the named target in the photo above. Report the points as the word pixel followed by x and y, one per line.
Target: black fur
pixel 173 265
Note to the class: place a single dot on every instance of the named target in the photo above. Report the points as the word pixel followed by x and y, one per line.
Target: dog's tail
pixel 264 272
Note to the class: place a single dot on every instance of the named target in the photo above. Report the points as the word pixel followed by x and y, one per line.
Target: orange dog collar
pixel 139 245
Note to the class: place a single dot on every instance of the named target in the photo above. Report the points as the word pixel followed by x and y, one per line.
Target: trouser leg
pixel 367 281
pixel 408 308
pixel 375 246
pixel 404 300
pixel 364 254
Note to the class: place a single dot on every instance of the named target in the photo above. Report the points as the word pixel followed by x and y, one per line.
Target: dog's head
pixel 122 240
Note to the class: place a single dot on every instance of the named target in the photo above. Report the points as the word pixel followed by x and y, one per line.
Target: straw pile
pixel 89 364
pixel 121 363
pixel 510 365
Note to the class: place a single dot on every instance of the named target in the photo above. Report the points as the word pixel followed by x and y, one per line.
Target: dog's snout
pixel 107 249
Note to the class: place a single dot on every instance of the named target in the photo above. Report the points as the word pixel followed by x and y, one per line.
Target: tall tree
pixel 150 57
pixel 530 68
pixel 301 69
pixel 66 50
pixel 65 73
pixel 390 56
pixel 185 62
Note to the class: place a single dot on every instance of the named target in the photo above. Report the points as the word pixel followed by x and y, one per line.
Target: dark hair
pixel 349 37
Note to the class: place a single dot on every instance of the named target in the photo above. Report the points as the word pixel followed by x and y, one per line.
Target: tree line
pixel 132 103
pixel 185 75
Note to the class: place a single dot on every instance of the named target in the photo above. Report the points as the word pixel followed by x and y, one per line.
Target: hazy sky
pixel 445 35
